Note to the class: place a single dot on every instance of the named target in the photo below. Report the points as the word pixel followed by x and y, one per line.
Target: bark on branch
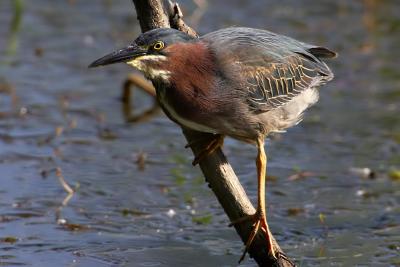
pixel 216 169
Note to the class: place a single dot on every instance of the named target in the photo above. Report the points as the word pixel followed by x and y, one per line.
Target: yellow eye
pixel 158 45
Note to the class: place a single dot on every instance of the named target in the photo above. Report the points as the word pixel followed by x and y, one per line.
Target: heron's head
pixel 150 53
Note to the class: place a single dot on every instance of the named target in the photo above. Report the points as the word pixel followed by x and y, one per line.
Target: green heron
pixel 239 82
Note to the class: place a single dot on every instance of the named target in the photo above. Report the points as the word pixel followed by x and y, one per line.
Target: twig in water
pixel 127 107
pixel 65 201
pixel 63 182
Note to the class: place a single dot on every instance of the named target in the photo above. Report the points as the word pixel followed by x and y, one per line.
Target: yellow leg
pixel 215 143
pixel 262 205
pixel 260 216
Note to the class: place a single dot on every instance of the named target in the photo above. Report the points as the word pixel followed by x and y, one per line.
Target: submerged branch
pixel 127 92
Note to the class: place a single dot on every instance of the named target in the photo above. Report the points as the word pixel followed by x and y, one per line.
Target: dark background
pixel 54 112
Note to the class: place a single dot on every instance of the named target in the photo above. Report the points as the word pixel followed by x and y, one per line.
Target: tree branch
pixel 215 167
pixel 151 14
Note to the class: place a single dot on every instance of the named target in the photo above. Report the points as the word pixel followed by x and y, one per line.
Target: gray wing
pixel 273 68
pixel 274 84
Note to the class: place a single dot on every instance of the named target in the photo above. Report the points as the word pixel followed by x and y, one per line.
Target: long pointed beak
pixel 123 55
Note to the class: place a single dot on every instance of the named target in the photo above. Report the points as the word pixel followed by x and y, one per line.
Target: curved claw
pixel 260 221
pixel 253 233
pixel 214 144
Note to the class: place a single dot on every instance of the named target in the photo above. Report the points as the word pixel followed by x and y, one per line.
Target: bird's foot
pixel 260 221
pixel 216 142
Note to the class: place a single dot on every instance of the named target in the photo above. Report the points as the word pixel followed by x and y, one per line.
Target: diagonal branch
pixel 215 167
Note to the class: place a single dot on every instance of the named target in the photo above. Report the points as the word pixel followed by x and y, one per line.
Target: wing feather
pixel 274 84
pixel 273 68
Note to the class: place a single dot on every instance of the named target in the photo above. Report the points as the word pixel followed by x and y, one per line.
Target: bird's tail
pixel 322 52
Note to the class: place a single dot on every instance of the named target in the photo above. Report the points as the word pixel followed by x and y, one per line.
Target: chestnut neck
pixel 191 67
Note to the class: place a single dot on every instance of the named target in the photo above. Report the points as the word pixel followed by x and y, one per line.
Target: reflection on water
pixel 138 201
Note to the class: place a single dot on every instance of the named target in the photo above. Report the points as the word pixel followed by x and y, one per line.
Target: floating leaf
pixel 322 217
pixel 9 239
pixel 74 227
pixel 394 175
pixel 202 219
pixel 294 211
pixel 133 212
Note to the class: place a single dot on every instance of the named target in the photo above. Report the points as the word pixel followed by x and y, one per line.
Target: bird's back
pixel 248 43
pixel 278 76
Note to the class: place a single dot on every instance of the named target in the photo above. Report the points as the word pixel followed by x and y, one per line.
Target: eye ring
pixel 158 45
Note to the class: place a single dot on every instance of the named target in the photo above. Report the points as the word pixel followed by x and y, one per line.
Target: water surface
pixel 56 113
